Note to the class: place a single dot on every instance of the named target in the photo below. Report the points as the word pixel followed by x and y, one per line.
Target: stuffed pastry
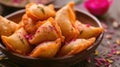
pixel 7 27
pixel 17 42
pixel 40 11
pixel 65 17
pixel 76 46
pixel 30 25
pixel 46 32
pixel 87 31
pixel 46 49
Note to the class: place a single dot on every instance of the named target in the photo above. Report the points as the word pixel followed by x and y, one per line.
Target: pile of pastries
pixel 44 32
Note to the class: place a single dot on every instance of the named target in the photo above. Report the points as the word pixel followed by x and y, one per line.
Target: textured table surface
pixel 108 53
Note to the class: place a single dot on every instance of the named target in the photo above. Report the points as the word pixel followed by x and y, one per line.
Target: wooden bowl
pixel 54 62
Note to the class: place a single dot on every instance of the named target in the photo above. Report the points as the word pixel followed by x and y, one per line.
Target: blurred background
pixel 107 11
pixel 8 6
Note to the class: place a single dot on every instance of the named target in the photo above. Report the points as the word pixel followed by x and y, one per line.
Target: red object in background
pixel 17 1
pixel 97 7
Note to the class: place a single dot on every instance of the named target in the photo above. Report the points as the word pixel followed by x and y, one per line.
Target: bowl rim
pixel 57 58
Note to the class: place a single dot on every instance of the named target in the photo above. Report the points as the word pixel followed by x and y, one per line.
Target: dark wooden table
pixel 108 50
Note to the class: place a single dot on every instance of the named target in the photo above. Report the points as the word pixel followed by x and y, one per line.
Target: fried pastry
pixel 47 32
pixel 88 31
pixel 17 42
pixel 40 11
pixel 44 32
pixel 65 17
pixel 7 27
pixel 76 46
pixel 46 49
pixel 30 25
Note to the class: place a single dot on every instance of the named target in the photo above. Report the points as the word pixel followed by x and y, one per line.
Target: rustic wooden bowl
pixel 54 62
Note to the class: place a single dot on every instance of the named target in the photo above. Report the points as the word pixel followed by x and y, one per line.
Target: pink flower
pixel 30 36
pixel 113 51
pixel 88 25
pixel 109 55
pixel 97 7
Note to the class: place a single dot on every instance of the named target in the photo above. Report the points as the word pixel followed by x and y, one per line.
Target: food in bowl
pixel 44 32
pixel 7 27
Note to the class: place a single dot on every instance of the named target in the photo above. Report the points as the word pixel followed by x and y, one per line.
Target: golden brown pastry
pixel 65 17
pixel 88 31
pixel 40 11
pixel 17 42
pixel 46 49
pixel 7 27
pixel 30 25
pixel 76 46
pixel 47 32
